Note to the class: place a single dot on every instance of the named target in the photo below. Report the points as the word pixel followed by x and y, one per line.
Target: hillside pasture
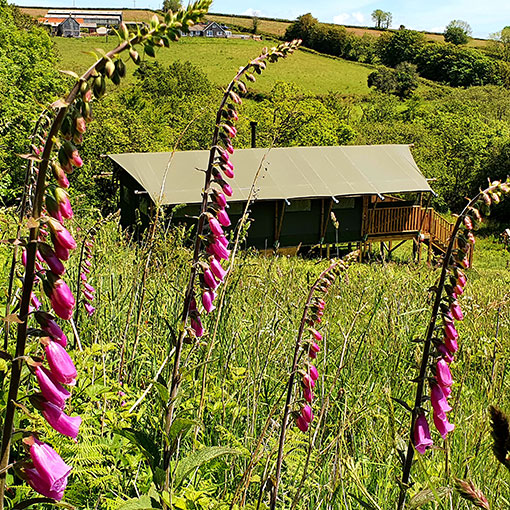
pixel 314 73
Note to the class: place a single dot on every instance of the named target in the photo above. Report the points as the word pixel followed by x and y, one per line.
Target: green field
pixel 220 58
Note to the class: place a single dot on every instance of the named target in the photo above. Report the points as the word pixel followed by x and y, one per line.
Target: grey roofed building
pixel 295 193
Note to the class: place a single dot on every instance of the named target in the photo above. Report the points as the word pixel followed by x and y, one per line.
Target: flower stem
pixel 426 351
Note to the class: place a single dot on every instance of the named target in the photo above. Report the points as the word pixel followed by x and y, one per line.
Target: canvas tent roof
pixel 290 172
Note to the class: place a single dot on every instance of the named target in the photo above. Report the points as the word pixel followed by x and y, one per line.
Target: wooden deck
pixel 407 222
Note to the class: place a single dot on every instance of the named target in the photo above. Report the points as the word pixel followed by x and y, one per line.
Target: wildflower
pixel 316 334
pixel 308 381
pixel 61 252
pixel 80 124
pixel 209 279
pixel 227 189
pixel 314 374
pixel 443 350
pixel 307 394
pixel 439 401
pixel 61 364
pixel 208 297
pixel 307 413
pixel 217 269
pixel 461 279
pixel 450 331
pixel 64 205
pixel 302 424
pixel 61 298
pixel 196 325
pixel 422 439
pixel 218 250
pixel 457 291
pixel 223 217
pixel 214 225
pixel 52 471
pixel 50 388
pixel 40 485
pixel 61 235
pixel 56 418
pixel 219 198
pixel 456 311
pixel 443 374
pixel 314 349
pixel 51 259
pixel 451 345
pixel 90 309
pixel 442 424
pixel 49 325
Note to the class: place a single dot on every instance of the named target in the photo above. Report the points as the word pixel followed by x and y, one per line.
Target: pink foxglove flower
pixel 196 325
pixel 223 218
pixel 61 235
pixel 60 421
pixel 308 381
pixel 451 345
pixel 442 424
pixel 208 297
pixel 40 485
pixel 61 252
pixel 314 349
pixel 51 259
pixel 445 353
pixel 439 401
pixel 214 225
pixel 89 309
pixel 443 374
pixel 456 311
pixel 307 413
pixel 64 205
pixel 61 365
pixel 209 279
pixel 227 189
pixel 51 389
pixel 314 374
pixel 421 435
pixel 52 470
pixel 217 269
pixel 220 198
pixel 450 331
pixel 316 334
pixel 302 424
pixel 219 250
pixel 89 296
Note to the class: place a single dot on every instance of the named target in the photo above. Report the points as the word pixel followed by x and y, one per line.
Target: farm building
pixel 374 192
pixel 57 20
pixel 68 28
pixel 211 29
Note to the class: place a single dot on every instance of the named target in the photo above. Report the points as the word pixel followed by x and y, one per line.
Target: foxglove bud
pixel 61 365
pixel 64 206
pixel 61 235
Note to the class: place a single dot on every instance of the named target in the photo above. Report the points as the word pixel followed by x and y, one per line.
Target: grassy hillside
pixel 219 58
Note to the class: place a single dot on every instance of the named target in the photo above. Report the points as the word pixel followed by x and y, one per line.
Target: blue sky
pixel 485 17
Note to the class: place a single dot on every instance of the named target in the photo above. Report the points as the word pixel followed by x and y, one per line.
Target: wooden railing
pixel 389 221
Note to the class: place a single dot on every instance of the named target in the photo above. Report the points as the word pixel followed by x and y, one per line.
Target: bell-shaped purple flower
pixel 456 311
pixel 307 394
pixel 223 217
pixel 443 374
pixel 314 374
pixel 302 424
pixel 217 269
pixel 214 225
pixel 208 297
pixel 308 381
pixel 314 349
pixel 450 331
pixel 451 345
pixel 51 389
pixel 307 413
pixel 209 279
pixel 439 401
pixel 219 250
pixel 196 325
pixel 60 421
pixel 52 470
pixel 40 485
pixel 51 258
pixel 220 198
pixel 421 434
pixel 445 353
pixel 442 424
pixel 89 309
pixel 316 334
pixel 61 364
pixel 61 235
pixel 64 205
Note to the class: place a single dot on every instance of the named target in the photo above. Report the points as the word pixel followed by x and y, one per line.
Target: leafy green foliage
pixel 402 81
pixel 457 32
pixel 28 79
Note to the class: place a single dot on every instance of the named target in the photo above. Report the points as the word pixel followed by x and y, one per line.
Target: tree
pixel 401 82
pixel 171 5
pixel 381 19
pixel 255 25
pixel 457 32
pixel 401 46
pixel 499 45
pixel 301 28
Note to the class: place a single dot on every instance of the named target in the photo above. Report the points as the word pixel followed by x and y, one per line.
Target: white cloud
pixel 349 18
pixel 252 12
pixel 358 17
pixel 342 18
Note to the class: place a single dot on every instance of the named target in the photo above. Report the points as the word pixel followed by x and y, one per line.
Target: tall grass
pixel 375 313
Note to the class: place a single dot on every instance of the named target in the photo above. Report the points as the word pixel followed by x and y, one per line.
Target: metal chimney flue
pixel 253 125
